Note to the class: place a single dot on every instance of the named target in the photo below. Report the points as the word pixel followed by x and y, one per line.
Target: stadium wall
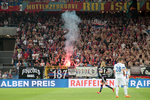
pixel 8 30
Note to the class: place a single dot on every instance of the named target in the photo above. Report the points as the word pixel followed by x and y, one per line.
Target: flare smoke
pixel 71 24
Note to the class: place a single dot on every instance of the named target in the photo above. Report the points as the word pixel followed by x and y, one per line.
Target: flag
pixel 98 24
pixel 9 6
pixel 109 34
pixel 132 11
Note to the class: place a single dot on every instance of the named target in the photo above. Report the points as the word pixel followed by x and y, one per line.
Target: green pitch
pixel 71 94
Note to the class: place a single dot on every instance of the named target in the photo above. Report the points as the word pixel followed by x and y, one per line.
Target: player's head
pixel 103 64
pixel 120 60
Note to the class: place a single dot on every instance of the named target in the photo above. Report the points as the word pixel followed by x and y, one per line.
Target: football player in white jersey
pixel 119 70
pixel 127 74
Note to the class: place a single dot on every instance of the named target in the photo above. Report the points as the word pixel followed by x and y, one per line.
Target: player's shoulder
pixel 115 64
pixel 100 68
pixel 123 65
pixel 120 64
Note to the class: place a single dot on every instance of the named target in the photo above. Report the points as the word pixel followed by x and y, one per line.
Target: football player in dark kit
pixel 102 71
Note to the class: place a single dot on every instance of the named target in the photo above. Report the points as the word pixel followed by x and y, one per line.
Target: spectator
pixel 25 55
pixel 47 63
pixel 25 63
pixel 14 73
pixel 37 77
pixel 4 76
pixel 18 64
pixel 30 65
pixel 5 23
pixel 42 63
pixel 9 76
pixel 0 74
pixel 20 56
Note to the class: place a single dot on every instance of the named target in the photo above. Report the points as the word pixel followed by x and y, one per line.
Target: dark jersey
pixel 104 71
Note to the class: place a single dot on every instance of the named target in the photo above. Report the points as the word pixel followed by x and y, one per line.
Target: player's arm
pixel 123 71
pixel 101 70
pixel 114 69
pixel 107 72
pixel 128 75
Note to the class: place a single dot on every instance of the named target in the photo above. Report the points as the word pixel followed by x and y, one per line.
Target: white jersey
pixel 119 70
pixel 127 74
pixel 124 75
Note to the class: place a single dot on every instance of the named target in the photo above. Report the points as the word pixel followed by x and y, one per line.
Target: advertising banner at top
pixel 9 6
pixel 84 6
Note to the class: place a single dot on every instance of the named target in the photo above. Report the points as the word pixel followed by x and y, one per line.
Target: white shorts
pixel 120 81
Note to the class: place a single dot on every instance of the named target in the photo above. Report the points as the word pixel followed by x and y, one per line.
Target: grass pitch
pixel 71 94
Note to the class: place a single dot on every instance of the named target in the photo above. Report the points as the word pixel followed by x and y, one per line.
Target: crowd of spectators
pixel 40 39
pixel 7 75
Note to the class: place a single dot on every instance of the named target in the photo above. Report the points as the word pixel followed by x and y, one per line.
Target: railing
pixel 9 25
pixel 43 0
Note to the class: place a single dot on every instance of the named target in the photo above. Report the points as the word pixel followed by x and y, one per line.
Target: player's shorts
pixel 120 81
pixel 103 79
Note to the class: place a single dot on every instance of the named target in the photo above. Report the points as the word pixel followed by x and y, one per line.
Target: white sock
pixel 125 90
pixel 117 90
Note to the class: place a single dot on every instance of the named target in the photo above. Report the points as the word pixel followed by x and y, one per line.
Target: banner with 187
pixel 58 73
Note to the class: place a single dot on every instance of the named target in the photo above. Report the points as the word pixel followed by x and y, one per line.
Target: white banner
pixel 92 83
pixel 86 71
pixel 71 71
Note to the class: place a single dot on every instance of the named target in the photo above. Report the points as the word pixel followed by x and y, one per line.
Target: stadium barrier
pixel 56 72
pixel 62 72
pixel 143 83
pixel 59 77
pixel 140 71
pixel 68 83
pixel 30 72
pixel 33 83
pixel 89 83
